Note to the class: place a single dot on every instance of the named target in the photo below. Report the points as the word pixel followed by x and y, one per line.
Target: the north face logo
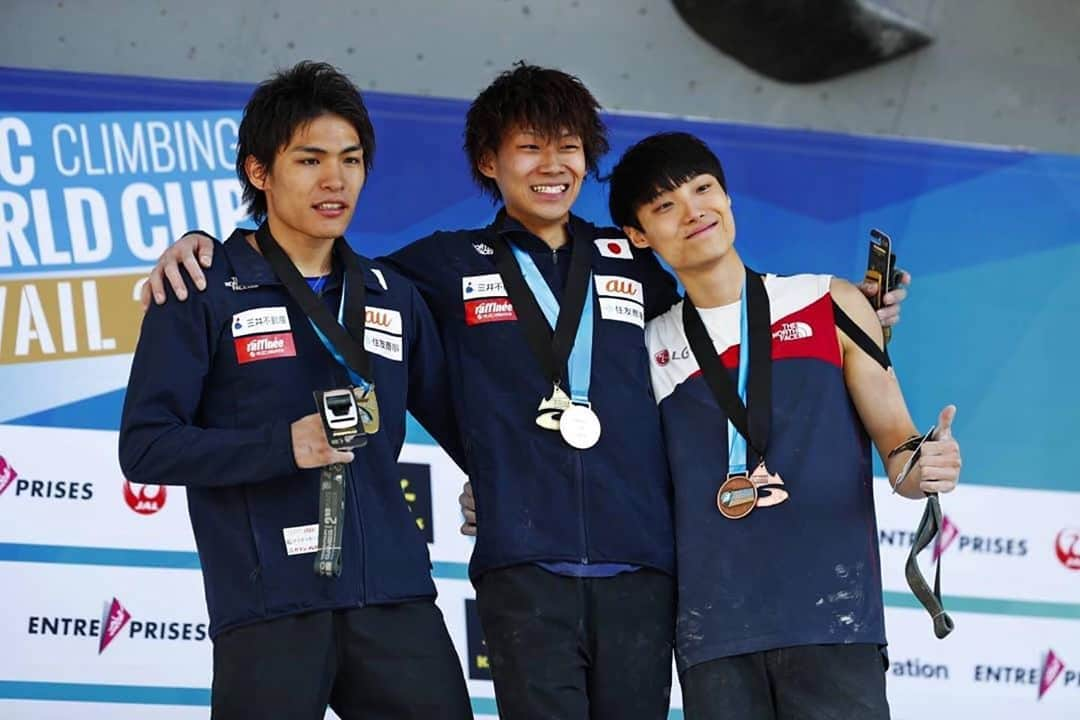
pixel 793 331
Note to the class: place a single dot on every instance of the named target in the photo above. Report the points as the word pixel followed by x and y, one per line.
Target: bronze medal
pixel 368 405
pixel 737 496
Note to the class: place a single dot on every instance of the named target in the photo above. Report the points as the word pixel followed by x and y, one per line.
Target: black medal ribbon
pixel 349 341
pixel 752 420
pixel 551 349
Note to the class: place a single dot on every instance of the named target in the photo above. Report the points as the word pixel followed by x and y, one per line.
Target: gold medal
pixel 368 405
pixel 550 411
pixel 737 496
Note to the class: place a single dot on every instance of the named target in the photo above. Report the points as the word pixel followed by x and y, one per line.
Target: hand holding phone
pixel 881 269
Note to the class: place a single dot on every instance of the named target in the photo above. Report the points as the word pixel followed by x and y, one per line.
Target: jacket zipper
pixel 584 508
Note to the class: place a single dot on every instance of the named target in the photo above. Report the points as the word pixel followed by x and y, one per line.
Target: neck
pixel 719 283
pixel 311 256
pixel 554 234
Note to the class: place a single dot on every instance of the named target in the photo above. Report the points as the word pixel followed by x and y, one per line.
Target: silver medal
pixel 579 427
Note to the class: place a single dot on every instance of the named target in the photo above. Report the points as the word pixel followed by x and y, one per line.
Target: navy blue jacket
pixel 537 498
pixel 194 415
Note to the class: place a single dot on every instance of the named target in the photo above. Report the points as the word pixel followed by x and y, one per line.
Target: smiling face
pixel 538 177
pixel 314 182
pixel 691 226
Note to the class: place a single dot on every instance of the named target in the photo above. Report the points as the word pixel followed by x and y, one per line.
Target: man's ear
pixel 486 164
pixel 256 172
pixel 636 237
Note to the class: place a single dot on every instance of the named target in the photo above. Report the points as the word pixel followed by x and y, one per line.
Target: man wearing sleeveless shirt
pixel 779 591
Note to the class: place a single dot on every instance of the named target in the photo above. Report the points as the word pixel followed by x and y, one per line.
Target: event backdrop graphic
pixel 104 614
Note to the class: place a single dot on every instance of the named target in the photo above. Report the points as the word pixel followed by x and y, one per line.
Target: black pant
pixel 382 662
pixel 577 648
pixel 811 682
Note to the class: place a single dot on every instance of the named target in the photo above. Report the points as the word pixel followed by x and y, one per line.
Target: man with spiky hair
pixel 542 316
pixel 220 401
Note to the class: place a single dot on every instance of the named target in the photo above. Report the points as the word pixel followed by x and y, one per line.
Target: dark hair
pixel 287 101
pixel 541 99
pixel 657 164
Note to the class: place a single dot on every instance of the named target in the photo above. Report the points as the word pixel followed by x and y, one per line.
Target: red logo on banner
pixel 264 347
pixel 7 474
pixel 478 312
pixel 946 535
pixel 1067 546
pixel 116 617
pixel 144 499
pixel 1052 668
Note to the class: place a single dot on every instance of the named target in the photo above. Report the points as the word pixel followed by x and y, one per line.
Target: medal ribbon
pixel 340 335
pixel 748 404
pixel 540 312
pixel 357 380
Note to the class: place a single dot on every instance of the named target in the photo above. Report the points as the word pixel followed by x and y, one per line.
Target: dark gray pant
pixel 564 648
pixel 810 682
pixel 381 662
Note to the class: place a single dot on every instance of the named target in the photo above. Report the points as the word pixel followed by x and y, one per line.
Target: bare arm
pixel 880 403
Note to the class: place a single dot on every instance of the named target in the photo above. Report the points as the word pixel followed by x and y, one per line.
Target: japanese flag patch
pixel 618 248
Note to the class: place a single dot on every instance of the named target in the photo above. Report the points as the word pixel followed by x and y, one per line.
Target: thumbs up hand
pixel 939 463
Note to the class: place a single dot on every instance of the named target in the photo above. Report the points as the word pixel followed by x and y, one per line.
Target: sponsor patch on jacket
pixel 478 312
pixel 260 320
pixel 619 287
pixel 624 310
pixel 383 334
pixel 482 286
pixel 614 248
pixel 383 319
pixel 264 347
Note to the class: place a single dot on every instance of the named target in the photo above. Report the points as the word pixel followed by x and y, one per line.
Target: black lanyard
pixel 551 349
pixel 348 340
pixel 753 419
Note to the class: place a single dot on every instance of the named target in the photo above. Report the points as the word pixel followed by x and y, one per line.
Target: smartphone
pixel 881 269
pixel 879 265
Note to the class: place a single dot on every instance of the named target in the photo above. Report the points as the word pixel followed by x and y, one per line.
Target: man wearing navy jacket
pixel 542 316
pixel 220 400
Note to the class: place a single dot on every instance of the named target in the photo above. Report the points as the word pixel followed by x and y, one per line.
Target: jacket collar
pixel 507 227
pixel 251 269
